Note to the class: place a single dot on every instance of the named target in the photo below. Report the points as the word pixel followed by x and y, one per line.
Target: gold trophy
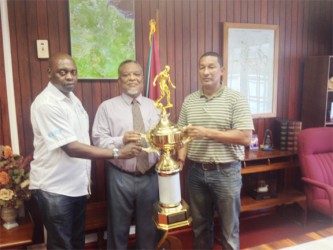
pixel 171 211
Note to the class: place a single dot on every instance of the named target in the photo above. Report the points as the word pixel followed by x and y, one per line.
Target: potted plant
pixel 14 184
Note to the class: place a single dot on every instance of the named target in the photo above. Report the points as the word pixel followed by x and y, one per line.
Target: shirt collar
pixel 216 94
pixel 129 99
pixel 57 93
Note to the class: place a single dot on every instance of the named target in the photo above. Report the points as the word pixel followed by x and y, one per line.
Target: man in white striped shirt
pixel 221 126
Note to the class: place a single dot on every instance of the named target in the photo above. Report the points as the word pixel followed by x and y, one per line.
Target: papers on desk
pixel 322 244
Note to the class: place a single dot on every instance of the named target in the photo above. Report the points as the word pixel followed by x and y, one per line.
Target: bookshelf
pixel 317 96
pixel 286 167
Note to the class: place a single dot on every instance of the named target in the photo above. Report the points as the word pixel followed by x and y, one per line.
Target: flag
pixel 153 65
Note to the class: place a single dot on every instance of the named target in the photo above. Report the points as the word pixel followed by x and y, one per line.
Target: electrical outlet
pixel 42 49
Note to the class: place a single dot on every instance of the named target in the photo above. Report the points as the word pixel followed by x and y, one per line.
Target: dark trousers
pixel 215 189
pixel 64 219
pixel 131 196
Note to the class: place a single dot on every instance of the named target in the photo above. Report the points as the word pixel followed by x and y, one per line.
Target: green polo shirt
pixel 225 110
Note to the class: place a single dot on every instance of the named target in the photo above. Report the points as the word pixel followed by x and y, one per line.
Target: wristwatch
pixel 115 153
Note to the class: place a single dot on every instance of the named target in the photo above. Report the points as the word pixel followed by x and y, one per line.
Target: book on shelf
pixel 286 134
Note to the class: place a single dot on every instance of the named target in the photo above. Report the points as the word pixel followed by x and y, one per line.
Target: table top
pixel 18 236
pixel 251 154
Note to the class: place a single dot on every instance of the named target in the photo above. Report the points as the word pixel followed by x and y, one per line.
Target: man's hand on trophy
pixel 196 132
pixel 132 136
pixel 130 150
pixel 181 164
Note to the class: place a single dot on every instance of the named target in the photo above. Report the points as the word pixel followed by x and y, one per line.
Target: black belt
pixel 209 166
pixel 150 171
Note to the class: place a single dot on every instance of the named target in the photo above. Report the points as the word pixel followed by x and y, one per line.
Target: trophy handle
pixel 187 139
pixel 150 148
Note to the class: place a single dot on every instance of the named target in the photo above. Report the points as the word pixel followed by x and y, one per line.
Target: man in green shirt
pixel 221 126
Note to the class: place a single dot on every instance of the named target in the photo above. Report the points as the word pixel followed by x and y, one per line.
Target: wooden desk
pixel 96 216
pixel 96 221
pixel 21 236
pixel 18 237
pixel 293 241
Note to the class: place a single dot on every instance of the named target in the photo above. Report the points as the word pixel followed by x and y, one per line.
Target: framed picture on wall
pixel 250 55
pixel 102 35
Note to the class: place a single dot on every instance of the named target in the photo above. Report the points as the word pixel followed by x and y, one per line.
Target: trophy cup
pixel 170 211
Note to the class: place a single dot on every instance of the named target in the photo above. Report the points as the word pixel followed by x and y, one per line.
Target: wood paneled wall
pixel 188 28
pixel 4 118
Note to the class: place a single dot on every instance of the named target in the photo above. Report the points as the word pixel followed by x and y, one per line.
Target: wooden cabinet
pixel 316 94
pixel 286 168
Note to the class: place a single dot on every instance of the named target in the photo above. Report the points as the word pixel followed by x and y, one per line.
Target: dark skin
pixel 130 81
pixel 62 73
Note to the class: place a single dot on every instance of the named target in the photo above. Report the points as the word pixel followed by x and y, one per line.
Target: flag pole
pixel 153 61
pixel 152 30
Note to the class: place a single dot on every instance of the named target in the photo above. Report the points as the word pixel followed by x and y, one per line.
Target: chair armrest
pixel 328 189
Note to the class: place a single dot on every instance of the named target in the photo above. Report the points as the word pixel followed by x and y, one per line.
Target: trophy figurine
pixel 170 211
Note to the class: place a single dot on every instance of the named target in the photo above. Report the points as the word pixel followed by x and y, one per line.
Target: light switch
pixel 42 49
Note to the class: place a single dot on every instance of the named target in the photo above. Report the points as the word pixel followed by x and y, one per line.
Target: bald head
pixel 63 72
pixel 58 57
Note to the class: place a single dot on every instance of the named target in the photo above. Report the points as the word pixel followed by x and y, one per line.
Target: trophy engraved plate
pixel 166 137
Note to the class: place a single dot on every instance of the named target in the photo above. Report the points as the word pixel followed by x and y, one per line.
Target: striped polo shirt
pixel 225 110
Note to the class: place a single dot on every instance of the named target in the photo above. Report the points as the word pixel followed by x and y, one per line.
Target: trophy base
pixel 170 218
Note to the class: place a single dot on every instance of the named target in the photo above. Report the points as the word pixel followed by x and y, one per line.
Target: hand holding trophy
pixel 166 137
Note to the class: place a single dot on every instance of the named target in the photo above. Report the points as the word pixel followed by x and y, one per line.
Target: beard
pixel 133 91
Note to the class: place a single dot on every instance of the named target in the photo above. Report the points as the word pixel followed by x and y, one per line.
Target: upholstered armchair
pixel 315 151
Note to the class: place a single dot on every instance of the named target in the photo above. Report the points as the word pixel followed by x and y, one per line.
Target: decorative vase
pixel 9 215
